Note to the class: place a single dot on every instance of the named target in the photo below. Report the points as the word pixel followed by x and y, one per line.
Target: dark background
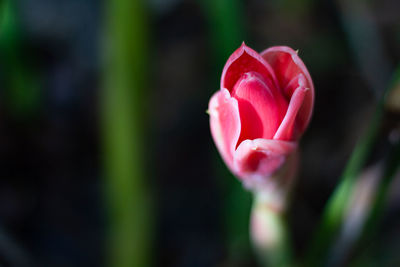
pixel 52 205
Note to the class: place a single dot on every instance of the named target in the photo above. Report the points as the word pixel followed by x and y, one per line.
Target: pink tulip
pixel 263 107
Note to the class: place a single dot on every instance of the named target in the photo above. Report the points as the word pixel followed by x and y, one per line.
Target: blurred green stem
pixel 270 233
pixel 226 24
pixel 334 211
pixel 124 73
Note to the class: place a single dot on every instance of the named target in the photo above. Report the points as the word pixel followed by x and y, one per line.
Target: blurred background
pixel 106 158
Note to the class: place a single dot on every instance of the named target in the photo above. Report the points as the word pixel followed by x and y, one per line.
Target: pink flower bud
pixel 263 107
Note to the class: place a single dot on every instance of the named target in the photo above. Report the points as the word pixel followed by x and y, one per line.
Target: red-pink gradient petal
pixel 243 60
pixel 287 129
pixel 261 107
pixel 260 158
pixel 224 124
pixel 287 66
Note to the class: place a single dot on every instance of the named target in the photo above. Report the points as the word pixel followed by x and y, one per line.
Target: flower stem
pixel 269 233
pixel 123 119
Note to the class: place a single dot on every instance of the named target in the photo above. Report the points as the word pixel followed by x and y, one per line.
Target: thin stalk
pixel 226 24
pixel 270 233
pixel 123 122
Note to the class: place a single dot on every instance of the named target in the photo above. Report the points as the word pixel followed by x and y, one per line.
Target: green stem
pixel 127 194
pixel 270 233
pixel 226 24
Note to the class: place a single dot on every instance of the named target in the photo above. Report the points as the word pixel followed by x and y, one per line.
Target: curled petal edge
pixel 228 82
pixel 285 130
pixel 306 110
pixel 225 124
pixel 269 156
pixel 295 57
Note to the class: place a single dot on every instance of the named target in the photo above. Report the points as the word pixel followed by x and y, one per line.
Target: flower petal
pixel 261 107
pixel 243 60
pixel 258 159
pixel 224 124
pixel 287 66
pixel 286 130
